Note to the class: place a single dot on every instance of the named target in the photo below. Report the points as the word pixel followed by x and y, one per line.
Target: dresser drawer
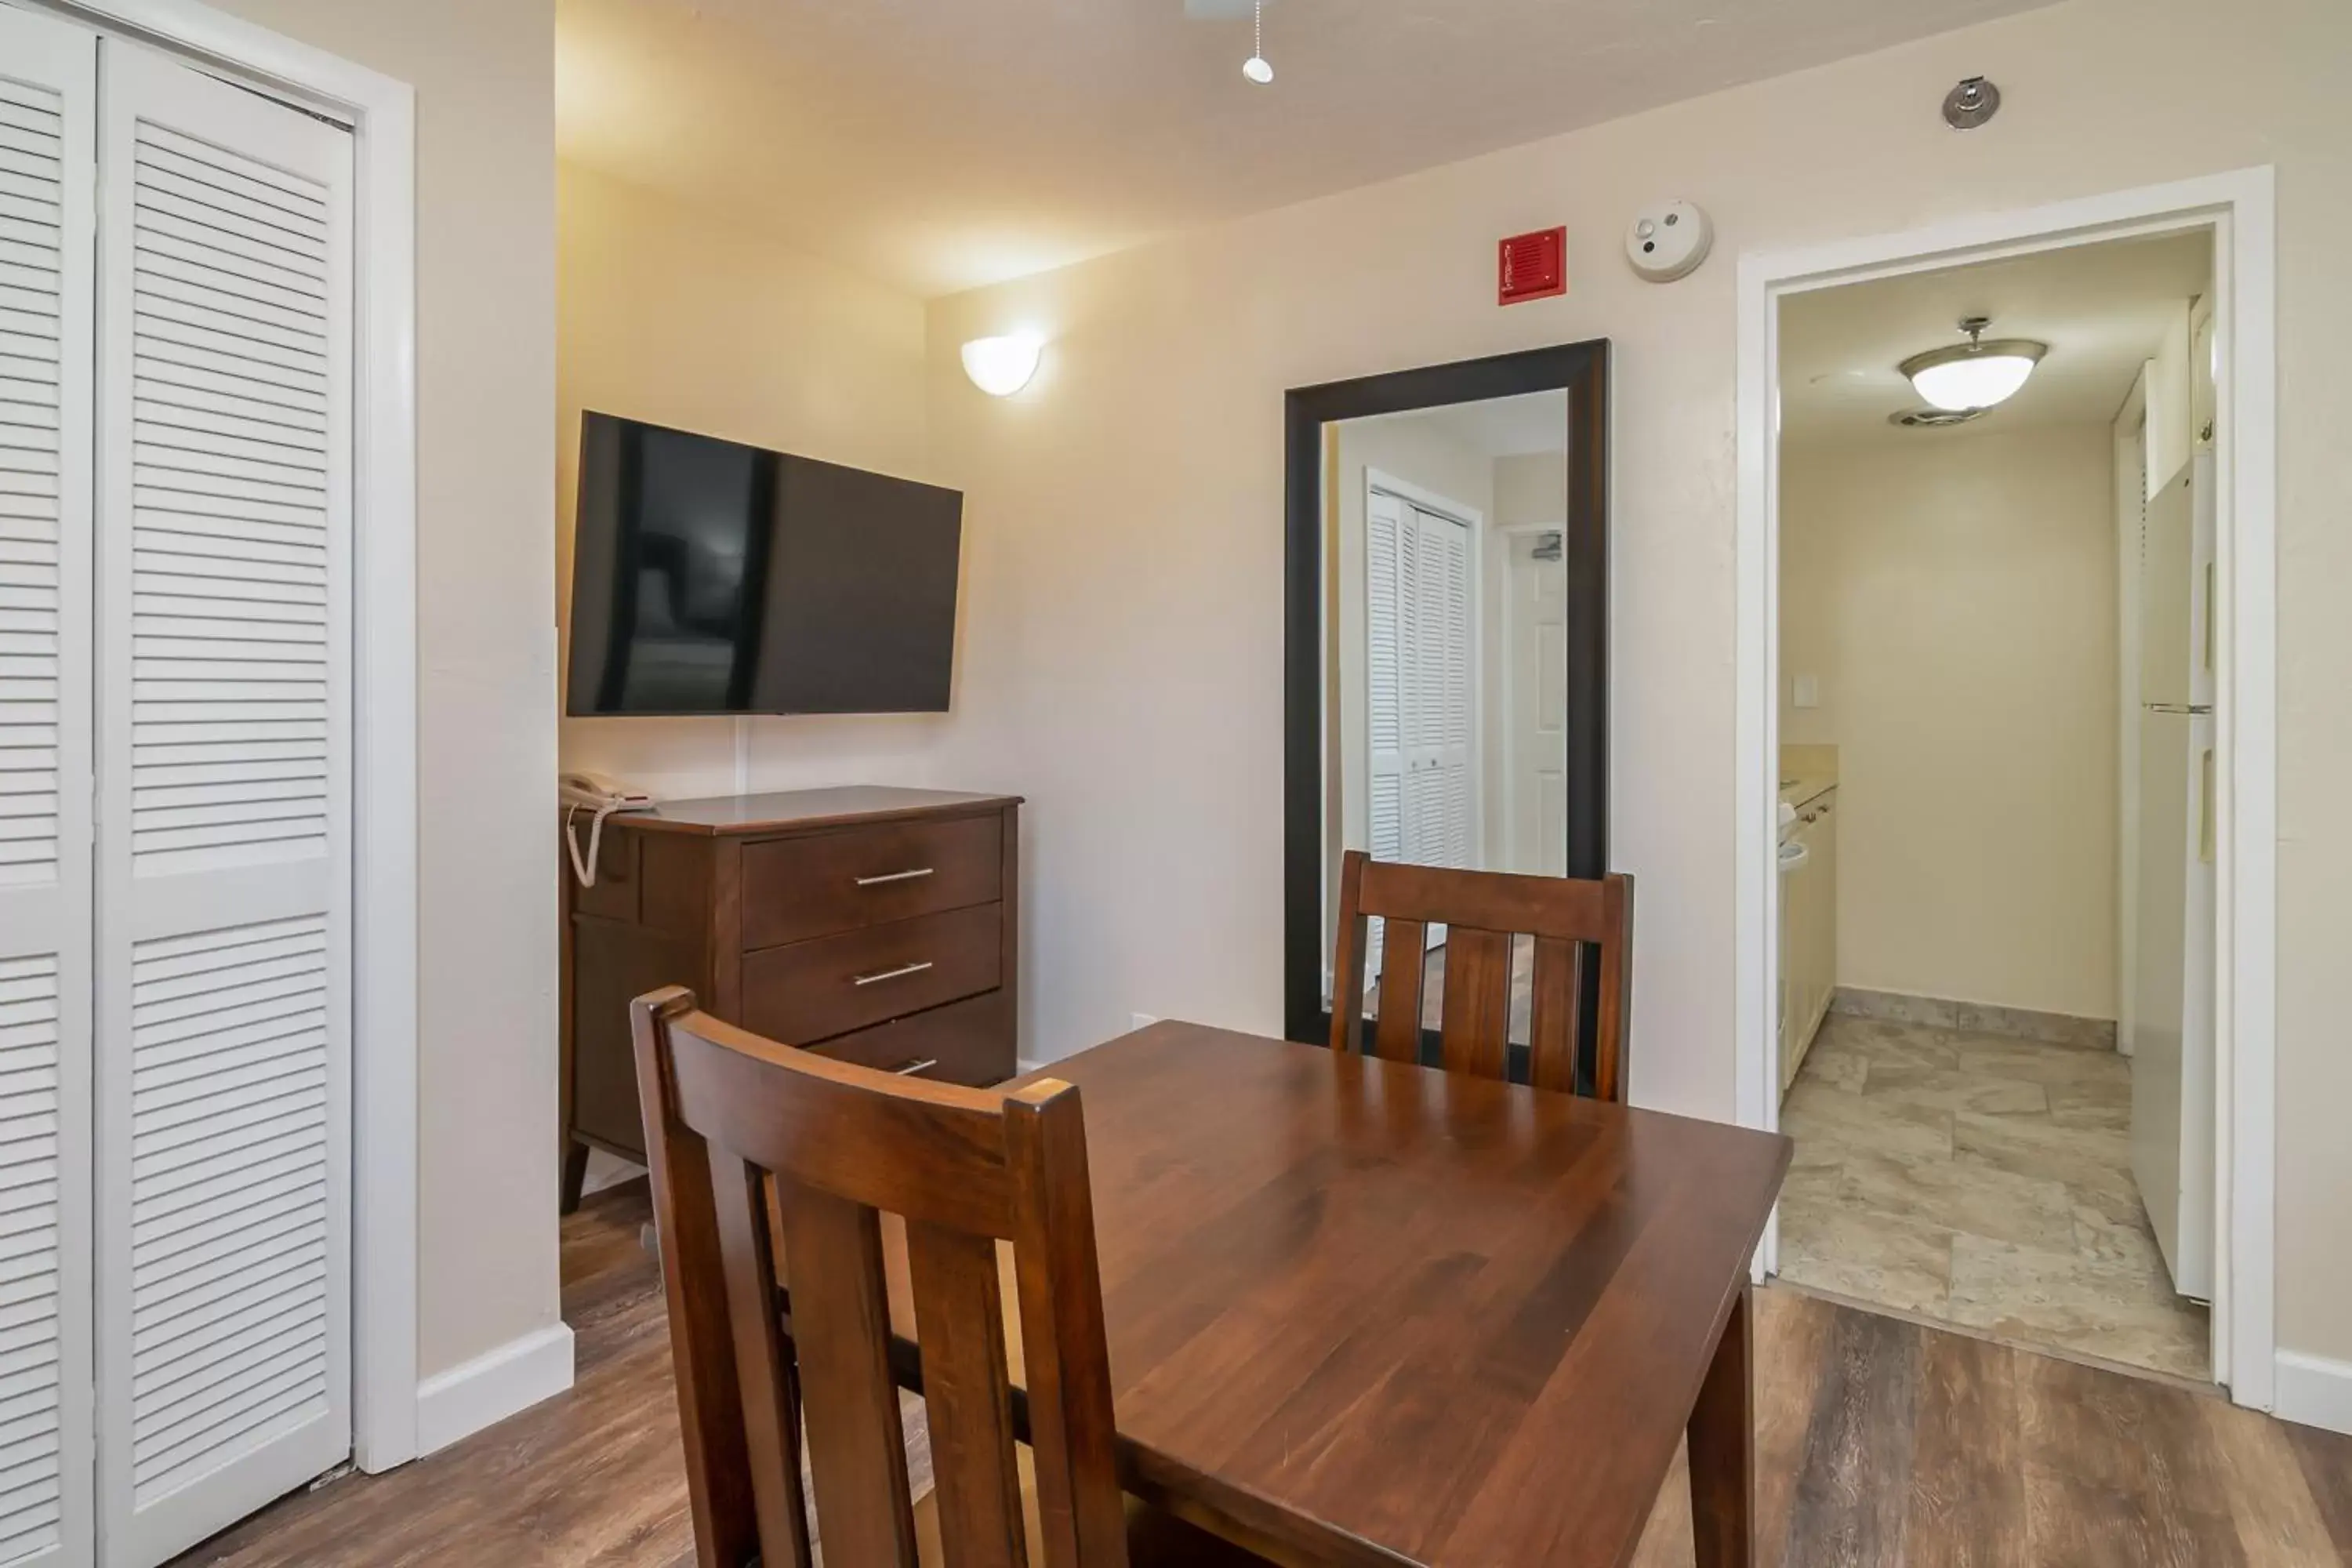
pixel 794 888
pixel 967 1042
pixel 811 991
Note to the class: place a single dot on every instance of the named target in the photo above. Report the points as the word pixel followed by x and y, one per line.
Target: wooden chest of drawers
pixel 873 925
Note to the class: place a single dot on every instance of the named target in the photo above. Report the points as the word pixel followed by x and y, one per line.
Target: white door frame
pixel 381 112
pixel 1472 519
pixel 2238 208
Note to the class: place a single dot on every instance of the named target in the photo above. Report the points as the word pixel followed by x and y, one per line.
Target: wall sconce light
pixel 1002 366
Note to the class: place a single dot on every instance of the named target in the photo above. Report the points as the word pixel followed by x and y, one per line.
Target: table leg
pixel 1723 1451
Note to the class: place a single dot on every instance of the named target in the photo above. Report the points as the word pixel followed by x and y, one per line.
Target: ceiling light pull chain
pixel 1255 68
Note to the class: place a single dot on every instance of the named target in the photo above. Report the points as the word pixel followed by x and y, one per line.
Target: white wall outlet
pixel 1808 691
pixel 1141 1021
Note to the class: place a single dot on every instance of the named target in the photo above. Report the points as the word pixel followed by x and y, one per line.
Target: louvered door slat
pixel 47 273
pixel 1386 580
pixel 223 906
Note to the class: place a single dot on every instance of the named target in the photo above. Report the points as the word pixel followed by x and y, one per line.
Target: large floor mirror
pixel 1447 640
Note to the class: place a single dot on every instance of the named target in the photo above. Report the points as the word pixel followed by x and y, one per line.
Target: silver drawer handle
pixel 911 1068
pixel 899 974
pixel 895 877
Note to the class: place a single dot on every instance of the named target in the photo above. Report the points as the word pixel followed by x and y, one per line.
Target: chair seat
pixel 1154 1539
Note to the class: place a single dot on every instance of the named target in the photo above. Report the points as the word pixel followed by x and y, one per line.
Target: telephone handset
pixel 602 795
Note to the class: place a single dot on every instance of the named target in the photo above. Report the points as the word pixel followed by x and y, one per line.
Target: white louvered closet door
pixel 47 181
pixel 1385 525
pixel 1450 834
pixel 1418 690
pixel 223 887
pixel 1438 820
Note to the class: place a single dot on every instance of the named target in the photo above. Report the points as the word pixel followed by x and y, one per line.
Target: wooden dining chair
pixel 738 1129
pixel 1572 923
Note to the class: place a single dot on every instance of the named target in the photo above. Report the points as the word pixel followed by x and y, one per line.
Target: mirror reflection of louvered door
pixel 1419 699
pixel 224 858
pixel 1439 809
pixel 48 78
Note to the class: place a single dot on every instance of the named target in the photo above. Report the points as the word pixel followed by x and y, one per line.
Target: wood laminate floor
pixel 1881 1442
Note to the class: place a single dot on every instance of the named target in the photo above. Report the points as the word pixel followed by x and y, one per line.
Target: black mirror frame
pixel 1582 370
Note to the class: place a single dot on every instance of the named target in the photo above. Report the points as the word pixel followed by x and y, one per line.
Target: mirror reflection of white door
pixel 1419 663
pixel 1537 749
pixel 1440 815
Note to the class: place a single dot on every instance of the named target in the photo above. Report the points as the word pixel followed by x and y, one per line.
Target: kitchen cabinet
pixel 1809 947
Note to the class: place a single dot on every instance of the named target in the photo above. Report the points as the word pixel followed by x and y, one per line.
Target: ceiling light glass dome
pixel 1976 374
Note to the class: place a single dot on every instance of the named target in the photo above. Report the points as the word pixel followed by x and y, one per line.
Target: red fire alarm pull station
pixel 1531 267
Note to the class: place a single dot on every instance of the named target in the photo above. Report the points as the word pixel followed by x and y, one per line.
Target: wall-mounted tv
pixel 712 577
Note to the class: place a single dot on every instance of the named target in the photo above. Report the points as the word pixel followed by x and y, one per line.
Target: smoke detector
pixel 1668 241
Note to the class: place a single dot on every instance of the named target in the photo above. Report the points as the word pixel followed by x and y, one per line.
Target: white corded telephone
pixel 594 792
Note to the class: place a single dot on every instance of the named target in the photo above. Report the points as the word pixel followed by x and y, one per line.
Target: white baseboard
pixel 492 1386
pixel 2315 1391
pixel 1025 1067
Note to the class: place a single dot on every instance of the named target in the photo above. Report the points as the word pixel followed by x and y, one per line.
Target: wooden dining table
pixel 1365 1312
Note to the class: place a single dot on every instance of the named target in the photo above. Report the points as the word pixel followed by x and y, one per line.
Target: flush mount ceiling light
pixel 1976 374
pixel 1002 366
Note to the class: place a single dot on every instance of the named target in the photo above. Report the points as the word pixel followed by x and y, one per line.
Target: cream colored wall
pixel 1531 489
pixel 1955 600
pixel 486 725
pixel 667 313
pixel 1122 658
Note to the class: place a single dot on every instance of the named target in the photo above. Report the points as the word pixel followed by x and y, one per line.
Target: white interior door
pixel 1539 715
pixel 49 80
pixel 1444 823
pixel 1420 689
pixel 1387 609
pixel 1438 819
pixel 224 886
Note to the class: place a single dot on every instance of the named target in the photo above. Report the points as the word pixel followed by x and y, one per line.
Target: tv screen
pixel 712 577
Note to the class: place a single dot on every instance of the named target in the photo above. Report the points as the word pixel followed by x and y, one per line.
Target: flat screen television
pixel 712 577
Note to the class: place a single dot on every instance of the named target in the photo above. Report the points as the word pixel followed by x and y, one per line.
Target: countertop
pixel 1801 790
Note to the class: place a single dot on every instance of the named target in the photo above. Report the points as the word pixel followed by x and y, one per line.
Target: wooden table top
pixel 1380 1314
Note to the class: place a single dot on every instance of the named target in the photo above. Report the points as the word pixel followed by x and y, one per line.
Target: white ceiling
pixel 944 145
pixel 2101 308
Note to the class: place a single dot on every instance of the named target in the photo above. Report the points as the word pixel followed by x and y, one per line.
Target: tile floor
pixel 1980 1180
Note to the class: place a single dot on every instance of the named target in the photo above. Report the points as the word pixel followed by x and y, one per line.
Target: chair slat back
pixel 734 1123
pixel 1573 923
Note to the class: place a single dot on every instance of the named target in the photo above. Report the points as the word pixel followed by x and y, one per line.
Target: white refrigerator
pixel 2173 1118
